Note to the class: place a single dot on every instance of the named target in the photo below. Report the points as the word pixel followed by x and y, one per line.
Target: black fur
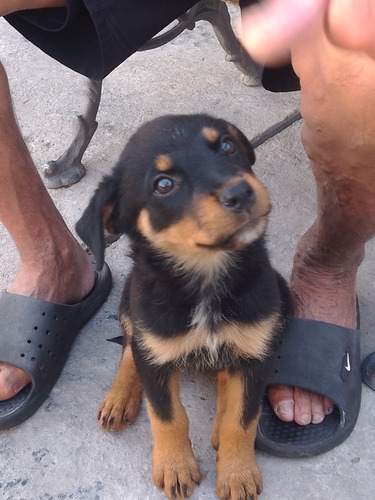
pixel 131 183
pixel 161 294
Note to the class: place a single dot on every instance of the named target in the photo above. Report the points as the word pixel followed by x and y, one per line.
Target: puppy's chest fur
pixel 211 320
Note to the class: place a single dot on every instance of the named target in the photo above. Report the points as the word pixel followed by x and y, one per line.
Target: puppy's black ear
pixel 97 217
pixel 247 146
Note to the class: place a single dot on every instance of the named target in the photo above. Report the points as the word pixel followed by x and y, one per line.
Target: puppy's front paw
pixel 238 479
pixel 119 409
pixel 176 472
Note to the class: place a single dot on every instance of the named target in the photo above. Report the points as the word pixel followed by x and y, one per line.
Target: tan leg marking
pixel 238 475
pixel 175 468
pixel 221 407
pixel 121 404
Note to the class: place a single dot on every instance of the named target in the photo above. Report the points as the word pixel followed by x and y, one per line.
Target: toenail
pixel 328 410
pixel 317 419
pixel 305 419
pixel 285 410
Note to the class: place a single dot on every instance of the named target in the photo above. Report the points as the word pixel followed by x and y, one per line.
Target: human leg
pixel 53 266
pixel 337 102
pixel 8 6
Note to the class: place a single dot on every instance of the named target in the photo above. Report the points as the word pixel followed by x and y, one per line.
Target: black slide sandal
pixel 37 337
pixel 368 370
pixel 323 359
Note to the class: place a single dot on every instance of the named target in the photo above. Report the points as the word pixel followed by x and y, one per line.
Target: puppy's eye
pixel 227 146
pixel 164 185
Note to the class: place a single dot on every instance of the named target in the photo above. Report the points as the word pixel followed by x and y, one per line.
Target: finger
pixel 269 29
pixel 351 24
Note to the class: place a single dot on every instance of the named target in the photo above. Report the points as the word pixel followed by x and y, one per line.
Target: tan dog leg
pixel 175 468
pixel 221 406
pixel 121 404
pixel 238 475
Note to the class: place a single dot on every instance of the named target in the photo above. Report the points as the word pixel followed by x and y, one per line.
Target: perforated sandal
pixel 36 336
pixel 324 359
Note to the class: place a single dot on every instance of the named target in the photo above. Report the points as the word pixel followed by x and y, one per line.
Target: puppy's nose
pixel 237 197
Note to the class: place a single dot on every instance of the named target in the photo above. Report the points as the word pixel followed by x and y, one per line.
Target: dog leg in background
pixel 221 407
pixel 121 404
pixel 175 468
pixel 68 168
pixel 238 475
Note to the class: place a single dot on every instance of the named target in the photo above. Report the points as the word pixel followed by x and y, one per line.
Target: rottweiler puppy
pixel 202 293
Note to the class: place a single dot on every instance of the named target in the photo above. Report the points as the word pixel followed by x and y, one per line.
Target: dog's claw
pixel 177 473
pixel 174 491
pixel 238 480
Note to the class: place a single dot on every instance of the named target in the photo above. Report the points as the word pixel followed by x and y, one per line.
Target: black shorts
pixel 93 37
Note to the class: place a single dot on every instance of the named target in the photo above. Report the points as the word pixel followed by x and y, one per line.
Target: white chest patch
pixel 246 341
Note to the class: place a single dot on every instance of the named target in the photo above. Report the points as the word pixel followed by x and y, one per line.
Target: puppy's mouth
pixel 243 236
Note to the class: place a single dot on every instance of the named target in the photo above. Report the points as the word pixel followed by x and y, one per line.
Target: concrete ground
pixel 61 452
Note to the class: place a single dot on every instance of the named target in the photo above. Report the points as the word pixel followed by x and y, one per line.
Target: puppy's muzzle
pixel 237 197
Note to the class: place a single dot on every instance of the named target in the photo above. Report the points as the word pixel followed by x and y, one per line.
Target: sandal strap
pixel 322 358
pixel 36 335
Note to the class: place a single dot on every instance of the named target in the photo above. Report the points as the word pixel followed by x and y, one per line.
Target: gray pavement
pixel 61 452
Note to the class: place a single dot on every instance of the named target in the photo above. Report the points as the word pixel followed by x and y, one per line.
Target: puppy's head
pixel 185 184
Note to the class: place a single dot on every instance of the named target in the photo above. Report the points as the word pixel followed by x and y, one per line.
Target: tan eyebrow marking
pixel 232 130
pixel 210 134
pixel 163 163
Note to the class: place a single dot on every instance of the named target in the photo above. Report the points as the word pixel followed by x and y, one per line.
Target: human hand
pixel 270 28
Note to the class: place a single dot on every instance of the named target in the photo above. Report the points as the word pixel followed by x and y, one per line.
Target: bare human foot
pixel 323 294
pixel 66 278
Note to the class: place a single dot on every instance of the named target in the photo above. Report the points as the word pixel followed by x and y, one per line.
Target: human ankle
pixel 324 294
pixel 64 278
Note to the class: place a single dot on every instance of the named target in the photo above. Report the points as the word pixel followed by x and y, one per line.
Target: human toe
pixel 309 407
pixel 282 401
pixel 12 381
